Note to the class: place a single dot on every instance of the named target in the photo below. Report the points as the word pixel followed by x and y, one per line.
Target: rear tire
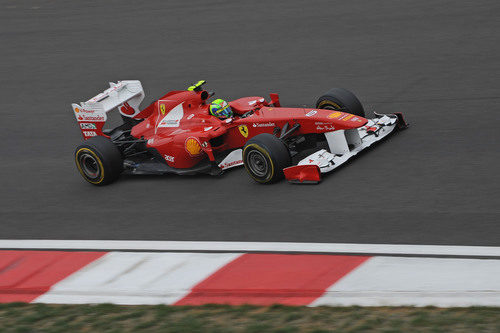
pixel 265 156
pixel 99 161
pixel 339 99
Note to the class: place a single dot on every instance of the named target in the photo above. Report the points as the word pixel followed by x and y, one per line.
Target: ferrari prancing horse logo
pixel 243 130
pixel 162 109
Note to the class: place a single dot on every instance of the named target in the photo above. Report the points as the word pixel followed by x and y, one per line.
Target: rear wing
pixel 124 95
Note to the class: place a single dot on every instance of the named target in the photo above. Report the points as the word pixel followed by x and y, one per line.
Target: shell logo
pixel 193 147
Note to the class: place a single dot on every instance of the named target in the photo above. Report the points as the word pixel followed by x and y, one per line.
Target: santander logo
pixel 268 124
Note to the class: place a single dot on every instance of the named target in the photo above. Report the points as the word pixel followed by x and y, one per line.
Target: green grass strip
pixel 20 317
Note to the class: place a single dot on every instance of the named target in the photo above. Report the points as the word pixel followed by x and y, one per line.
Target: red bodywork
pixel 181 129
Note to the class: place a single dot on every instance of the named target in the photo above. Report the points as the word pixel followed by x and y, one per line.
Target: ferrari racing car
pixel 177 134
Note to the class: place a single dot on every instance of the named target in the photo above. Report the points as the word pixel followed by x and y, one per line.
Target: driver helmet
pixel 220 109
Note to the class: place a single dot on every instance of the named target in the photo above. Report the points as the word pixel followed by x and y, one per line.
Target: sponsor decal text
pixel 88 126
pixel 89 133
pixel 269 124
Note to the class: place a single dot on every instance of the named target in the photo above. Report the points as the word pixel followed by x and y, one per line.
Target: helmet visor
pixel 222 112
pixel 227 112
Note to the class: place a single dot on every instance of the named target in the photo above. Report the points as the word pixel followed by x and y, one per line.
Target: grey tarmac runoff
pixel 437 62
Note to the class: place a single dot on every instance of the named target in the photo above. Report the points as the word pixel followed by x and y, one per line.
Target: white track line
pixel 380 249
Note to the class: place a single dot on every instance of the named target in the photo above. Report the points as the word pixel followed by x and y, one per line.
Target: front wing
pixel 343 145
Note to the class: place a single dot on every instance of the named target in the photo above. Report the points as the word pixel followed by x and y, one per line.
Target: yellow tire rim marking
pixel 263 151
pixel 80 168
pixel 335 105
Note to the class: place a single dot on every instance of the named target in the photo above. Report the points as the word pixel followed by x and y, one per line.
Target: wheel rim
pixel 332 106
pixel 89 165
pixel 257 163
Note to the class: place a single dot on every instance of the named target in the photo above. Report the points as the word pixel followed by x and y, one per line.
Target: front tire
pixel 99 161
pixel 339 99
pixel 264 157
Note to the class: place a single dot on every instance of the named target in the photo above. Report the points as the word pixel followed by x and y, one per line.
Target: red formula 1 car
pixel 177 134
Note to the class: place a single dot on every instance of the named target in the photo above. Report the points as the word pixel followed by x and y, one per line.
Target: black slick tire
pixel 264 157
pixel 99 161
pixel 340 99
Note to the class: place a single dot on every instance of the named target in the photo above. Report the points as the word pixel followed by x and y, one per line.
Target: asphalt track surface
pixel 436 61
